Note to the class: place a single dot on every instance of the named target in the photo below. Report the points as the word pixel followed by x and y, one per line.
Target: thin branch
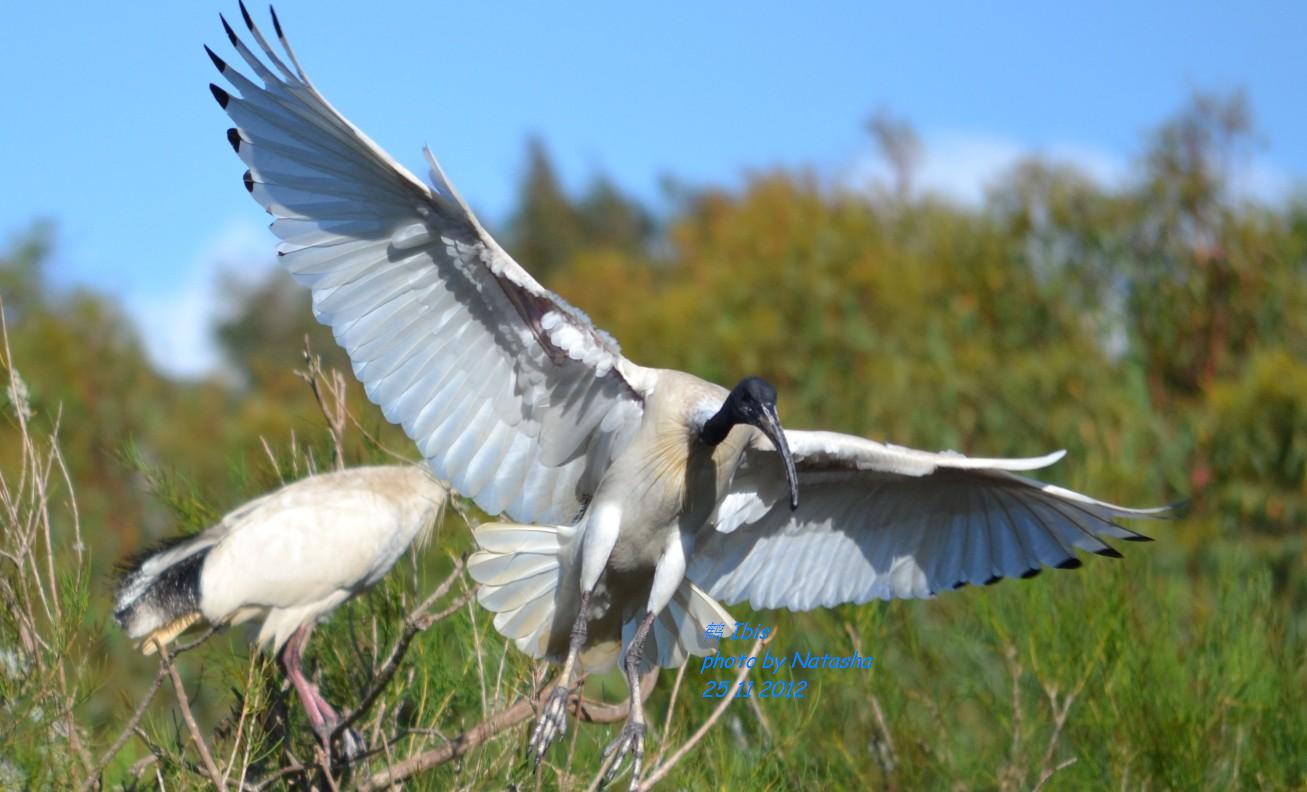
pixel 663 769
pixel 883 747
pixel 417 621
pixel 1047 774
pixel 240 723
pixel 376 442
pixel 93 779
pixel 762 719
pixel 1010 777
pixel 276 775
pixel 521 710
pixel 671 703
pixel 1061 713
pixel 481 664
pixel 200 745
pixel 335 413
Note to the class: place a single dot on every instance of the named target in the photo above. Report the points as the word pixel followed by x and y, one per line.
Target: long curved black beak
pixel 770 424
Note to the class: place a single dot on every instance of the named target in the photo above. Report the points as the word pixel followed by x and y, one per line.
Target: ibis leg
pixel 552 722
pixel 292 663
pixel 631 738
pixel 323 718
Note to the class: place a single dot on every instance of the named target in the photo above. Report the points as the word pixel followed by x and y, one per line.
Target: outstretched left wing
pixel 511 394
pixel 878 521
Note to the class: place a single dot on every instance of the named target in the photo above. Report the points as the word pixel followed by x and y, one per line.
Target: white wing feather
pixel 511 394
pixel 878 521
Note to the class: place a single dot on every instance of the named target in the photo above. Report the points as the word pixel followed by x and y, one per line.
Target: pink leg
pixel 291 659
pixel 322 716
pixel 328 713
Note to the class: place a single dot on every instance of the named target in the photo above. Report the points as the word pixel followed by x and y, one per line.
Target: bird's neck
pixel 716 428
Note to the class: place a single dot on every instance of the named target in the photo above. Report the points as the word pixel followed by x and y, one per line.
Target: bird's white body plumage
pixel 294 555
pixel 312 545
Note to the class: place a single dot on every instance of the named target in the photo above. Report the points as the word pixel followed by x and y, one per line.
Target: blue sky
pixel 110 131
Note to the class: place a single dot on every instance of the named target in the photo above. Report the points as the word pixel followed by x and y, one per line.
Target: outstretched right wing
pixel 879 521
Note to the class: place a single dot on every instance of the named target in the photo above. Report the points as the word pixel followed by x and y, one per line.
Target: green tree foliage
pixel 263 332
pixel 549 228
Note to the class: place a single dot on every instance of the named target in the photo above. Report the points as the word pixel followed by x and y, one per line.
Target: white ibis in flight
pixel 290 557
pixel 640 496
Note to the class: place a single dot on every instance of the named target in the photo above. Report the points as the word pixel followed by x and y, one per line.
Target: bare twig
pixel 273 777
pixel 883 746
pixel 1061 713
pixel 376 441
pixel 1011 776
pixel 210 766
pixel 334 413
pixel 481 664
pixel 671 703
pixel 521 710
pixel 324 764
pixel 93 780
pixel 140 765
pixel 418 620
pixel 664 768
pixel 1048 773
pixel 762 719
pixel 240 723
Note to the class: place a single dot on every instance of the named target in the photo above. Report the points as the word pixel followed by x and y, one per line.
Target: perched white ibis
pixel 640 495
pixel 290 557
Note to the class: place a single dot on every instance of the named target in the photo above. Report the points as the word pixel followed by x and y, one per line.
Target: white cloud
pixel 1262 181
pixel 177 321
pixel 962 166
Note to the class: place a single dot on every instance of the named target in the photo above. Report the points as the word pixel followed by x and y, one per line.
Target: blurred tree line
pixel 1157 329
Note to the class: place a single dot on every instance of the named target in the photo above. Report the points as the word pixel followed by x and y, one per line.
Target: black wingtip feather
pixel 249 181
pixel 222 96
pixel 1029 573
pixel 276 23
pixel 234 138
pixel 993 580
pixel 219 62
pixel 1138 537
pixel 1071 563
pixel 245 15
pixel 1109 552
pixel 231 34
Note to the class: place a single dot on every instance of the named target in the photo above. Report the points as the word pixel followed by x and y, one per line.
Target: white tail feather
pixel 520 569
